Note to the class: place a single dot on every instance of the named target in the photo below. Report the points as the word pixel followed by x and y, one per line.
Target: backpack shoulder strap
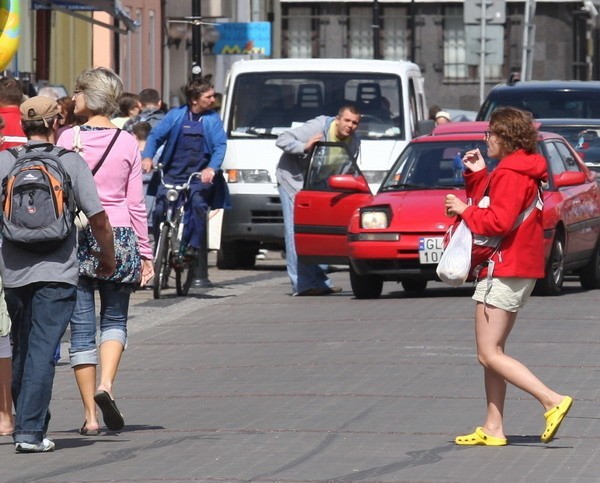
pixel 14 151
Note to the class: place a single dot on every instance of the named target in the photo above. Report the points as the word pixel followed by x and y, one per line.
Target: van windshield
pixel 266 104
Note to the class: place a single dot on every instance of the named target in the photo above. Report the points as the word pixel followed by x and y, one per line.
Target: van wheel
pixel 589 276
pixel 553 280
pixel 234 255
pixel 414 286
pixel 365 286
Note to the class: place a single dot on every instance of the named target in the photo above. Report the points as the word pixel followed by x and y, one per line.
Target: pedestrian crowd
pixel 92 142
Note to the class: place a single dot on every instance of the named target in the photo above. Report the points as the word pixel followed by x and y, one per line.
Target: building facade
pixel 547 39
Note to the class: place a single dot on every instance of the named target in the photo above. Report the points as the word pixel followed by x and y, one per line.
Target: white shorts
pixel 506 293
pixel 5 347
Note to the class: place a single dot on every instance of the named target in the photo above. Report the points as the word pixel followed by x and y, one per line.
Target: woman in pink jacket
pixel 119 182
pixel 512 188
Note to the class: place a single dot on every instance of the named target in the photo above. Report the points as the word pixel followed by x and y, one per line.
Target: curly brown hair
pixel 514 129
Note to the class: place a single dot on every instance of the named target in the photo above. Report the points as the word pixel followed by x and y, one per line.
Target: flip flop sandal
pixel 84 431
pixel 110 413
pixel 479 438
pixel 554 417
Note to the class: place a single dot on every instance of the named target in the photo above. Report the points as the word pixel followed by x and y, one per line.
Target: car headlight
pixel 375 218
pixel 248 176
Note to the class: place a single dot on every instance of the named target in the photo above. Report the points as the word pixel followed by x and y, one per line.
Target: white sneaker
pixel 46 445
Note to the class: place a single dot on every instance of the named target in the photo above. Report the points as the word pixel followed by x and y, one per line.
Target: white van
pixel 266 97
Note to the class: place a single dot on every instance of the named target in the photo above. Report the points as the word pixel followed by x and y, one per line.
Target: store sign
pixel 48 5
pixel 243 38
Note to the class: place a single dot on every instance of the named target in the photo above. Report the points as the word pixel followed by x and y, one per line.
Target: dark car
pixel 396 235
pixel 546 99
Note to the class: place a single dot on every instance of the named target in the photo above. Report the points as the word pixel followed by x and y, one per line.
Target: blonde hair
pixel 101 88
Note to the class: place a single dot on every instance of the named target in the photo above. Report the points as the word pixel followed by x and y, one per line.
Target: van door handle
pixel 304 204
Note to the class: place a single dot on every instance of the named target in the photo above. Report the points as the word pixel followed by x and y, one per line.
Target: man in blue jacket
pixel 194 140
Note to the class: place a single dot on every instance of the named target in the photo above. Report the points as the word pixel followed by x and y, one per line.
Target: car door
pixel 321 211
pixel 579 205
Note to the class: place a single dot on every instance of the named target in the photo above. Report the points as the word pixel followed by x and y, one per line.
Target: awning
pixel 113 7
pixel 367 2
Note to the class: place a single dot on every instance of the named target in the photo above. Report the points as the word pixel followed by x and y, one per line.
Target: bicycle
pixel 170 251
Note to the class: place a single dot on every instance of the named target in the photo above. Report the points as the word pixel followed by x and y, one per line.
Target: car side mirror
pixel 569 178
pixel 348 182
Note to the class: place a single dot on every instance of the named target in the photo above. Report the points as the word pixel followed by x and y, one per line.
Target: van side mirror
pixel 425 127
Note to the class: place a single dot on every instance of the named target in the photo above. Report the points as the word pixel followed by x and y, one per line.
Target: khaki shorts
pixel 507 293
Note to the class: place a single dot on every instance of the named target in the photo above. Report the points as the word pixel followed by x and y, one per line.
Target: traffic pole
pixel 200 279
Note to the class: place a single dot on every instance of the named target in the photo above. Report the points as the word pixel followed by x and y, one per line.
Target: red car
pixel 396 235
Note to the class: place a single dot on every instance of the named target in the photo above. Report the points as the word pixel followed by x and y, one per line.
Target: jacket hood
pixel 532 165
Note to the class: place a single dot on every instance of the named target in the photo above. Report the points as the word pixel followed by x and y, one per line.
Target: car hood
pixel 418 210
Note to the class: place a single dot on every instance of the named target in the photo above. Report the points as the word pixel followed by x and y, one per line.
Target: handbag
pixel 127 256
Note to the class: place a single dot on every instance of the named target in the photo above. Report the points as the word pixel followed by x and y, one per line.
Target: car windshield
pixel 432 165
pixel 266 104
pixel 547 104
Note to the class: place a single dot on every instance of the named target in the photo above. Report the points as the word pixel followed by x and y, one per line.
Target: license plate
pixel 430 250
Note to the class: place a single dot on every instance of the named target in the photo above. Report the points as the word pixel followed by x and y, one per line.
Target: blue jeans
pixel 303 276
pixel 114 306
pixel 40 314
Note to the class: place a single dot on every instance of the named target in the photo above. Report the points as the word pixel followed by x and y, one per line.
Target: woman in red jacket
pixel 504 286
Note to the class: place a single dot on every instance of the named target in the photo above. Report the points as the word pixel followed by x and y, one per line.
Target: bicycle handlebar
pixel 177 187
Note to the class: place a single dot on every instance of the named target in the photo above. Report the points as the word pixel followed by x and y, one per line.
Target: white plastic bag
pixel 455 263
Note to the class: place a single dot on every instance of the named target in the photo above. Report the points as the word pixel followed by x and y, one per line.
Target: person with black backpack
pixel 43 185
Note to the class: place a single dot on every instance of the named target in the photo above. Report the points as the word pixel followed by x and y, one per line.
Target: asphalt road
pixel 244 382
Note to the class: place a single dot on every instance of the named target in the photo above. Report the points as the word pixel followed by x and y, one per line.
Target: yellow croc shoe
pixel 479 438
pixel 554 417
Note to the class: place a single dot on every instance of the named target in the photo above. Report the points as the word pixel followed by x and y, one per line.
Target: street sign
pixel 495 12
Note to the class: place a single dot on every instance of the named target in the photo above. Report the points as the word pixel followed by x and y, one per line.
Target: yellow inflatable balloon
pixel 9 31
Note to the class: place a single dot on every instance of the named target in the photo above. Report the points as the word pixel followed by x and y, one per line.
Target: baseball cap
pixel 443 114
pixel 39 108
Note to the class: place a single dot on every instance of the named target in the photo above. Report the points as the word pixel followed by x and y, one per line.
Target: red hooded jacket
pixel 512 187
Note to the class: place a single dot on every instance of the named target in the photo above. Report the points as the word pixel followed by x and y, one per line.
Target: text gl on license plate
pixel 430 249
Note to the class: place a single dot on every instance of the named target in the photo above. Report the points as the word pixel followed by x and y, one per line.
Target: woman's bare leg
pixel 492 327
pixel 110 357
pixel 85 375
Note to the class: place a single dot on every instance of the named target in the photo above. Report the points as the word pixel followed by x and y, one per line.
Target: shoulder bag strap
pixel 110 145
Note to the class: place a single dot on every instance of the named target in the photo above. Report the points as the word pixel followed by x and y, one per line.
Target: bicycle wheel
pixel 184 268
pixel 183 277
pixel 162 262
